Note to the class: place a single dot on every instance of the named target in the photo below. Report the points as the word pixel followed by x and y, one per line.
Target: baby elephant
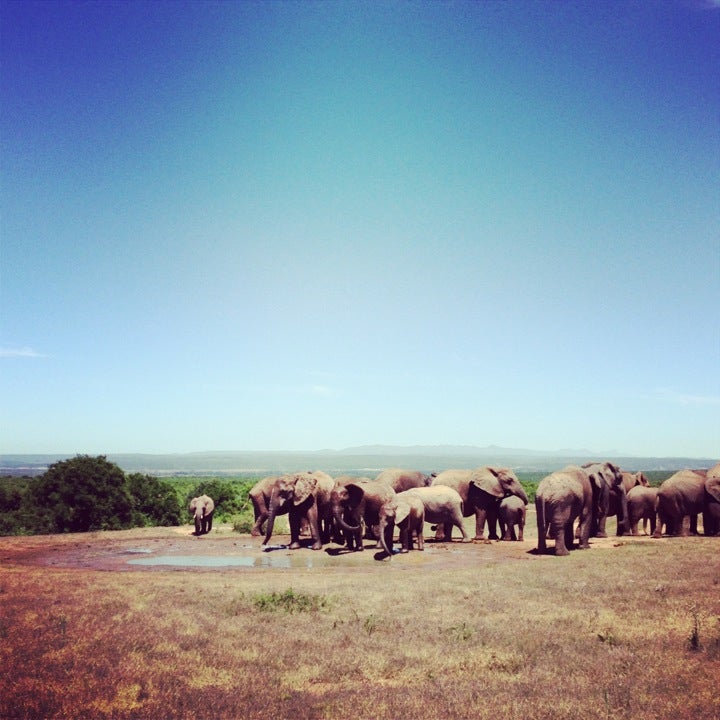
pixel 642 505
pixel 511 512
pixel 410 519
pixel 202 509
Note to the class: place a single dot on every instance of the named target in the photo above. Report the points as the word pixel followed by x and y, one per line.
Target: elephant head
pixel 606 480
pixel 392 512
pixel 346 500
pixel 202 508
pixel 499 483
pixel 290 491
pixel 356 499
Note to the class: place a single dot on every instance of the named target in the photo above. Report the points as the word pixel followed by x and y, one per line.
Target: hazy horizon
pixel 297 226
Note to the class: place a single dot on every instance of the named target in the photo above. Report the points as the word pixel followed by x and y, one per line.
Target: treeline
pixel 90 493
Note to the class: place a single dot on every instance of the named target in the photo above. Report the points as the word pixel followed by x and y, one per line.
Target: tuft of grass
pixel 289 601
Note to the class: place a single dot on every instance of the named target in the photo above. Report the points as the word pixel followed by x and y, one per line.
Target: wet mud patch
pixel 177 549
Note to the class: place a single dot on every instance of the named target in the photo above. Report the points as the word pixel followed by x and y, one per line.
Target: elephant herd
pixel 346 509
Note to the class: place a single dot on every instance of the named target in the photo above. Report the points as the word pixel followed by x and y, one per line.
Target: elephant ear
pixel 356 493
pixel 596 478
pixel 402 511
pixel 712 486
pixel 304 488
pixel 488 480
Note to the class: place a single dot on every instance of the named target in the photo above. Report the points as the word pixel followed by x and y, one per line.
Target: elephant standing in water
pixel 202 509
pixel 481 491
pixel 561 498
pixel 357 500
pixel 303 495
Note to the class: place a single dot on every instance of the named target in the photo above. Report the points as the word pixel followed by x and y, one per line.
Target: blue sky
pixel 295 226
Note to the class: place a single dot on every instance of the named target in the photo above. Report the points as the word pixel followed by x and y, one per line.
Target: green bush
pixel 154 502
pixel 81 494
pixel 289 601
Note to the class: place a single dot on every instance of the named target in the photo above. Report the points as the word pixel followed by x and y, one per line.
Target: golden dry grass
pixel 603 633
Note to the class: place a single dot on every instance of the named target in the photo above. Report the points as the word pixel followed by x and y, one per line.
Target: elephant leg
pixel 693 524
pixel 521 531
pixel 295 521
pixel 405 536
pixel 561 525
pixel 480 517
pixel 458 522
pixel 420 538
pixel 491 516
pixel 314 522
pixel 259 522
pixel 447 532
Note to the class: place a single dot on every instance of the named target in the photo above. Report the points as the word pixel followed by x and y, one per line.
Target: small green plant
pixel 243 523
pixel 606 636
pixel 461 632
pixel 370 625
pixel 289 601
pixel 694 639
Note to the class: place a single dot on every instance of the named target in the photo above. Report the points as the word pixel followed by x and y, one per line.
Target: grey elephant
pixel 302 495
pixel 481 491
pixel 711 514
pixel 355 501
pixel 686 494
pixel 511 513
pixel 202 509
pixel 410 520
pixel 443 506
pixel 607 483
pixel 560 499
pixel 615 507
pixel 642 505
pixel 400 479
pixel 260 497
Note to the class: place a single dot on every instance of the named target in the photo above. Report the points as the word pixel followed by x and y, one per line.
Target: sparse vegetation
pixel 614 632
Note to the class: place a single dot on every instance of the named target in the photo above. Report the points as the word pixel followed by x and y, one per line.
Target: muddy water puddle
pixel 266 560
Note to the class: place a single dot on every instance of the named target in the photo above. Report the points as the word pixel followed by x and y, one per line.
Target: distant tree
pixel 154 502
pixel 84 493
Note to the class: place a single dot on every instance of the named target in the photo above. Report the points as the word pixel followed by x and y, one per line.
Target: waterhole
pixel 292 559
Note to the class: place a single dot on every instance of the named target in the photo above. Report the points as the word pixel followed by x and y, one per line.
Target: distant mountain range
pixel 363 459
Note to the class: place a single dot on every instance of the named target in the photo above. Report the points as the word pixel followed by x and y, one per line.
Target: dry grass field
pixel 628 628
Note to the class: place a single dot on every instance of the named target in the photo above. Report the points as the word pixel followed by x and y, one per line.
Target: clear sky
pixel 297 225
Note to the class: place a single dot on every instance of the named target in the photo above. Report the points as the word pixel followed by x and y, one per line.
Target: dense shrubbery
pixel 82 494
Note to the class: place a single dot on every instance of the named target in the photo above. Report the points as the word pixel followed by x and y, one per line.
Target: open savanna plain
pixel 150 623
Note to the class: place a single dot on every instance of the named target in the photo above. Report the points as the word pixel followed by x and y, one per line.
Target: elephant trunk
pixel 522 495
pixel 386 529
pixel 623 521
pixel 340 520
pixel 271 519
